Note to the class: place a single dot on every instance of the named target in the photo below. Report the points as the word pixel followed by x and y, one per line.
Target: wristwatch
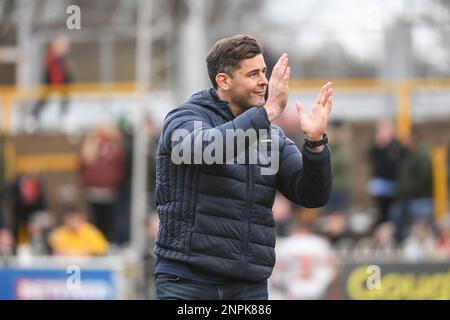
pixel 312 144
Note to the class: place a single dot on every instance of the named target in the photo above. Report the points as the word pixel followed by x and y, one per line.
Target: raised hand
pixel 314 122
pixel 278 88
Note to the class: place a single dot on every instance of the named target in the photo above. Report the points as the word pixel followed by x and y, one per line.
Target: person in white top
pixel 306 263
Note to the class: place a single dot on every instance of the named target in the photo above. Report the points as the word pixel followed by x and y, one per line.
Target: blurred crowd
pixel 97 224
pixel 399 225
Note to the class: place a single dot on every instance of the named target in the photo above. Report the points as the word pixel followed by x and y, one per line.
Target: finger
pixel 329 88
pixel 276 68
pixel 300 108
pixel 329 103
pixel 319 96
pixel 324 95
pixel 328 94
pixel 283 67
pixel 287 74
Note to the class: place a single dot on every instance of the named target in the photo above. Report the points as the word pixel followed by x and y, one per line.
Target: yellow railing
pixel 402 89
pixel 79 88
pixel 47 162
pixel 9 94
pixel 370 84
pixel 440 187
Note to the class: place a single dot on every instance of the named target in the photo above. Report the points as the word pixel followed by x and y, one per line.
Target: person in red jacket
pixel 58 74
pixel 103 161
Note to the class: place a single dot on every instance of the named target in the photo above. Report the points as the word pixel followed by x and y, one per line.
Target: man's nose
pixel 263 80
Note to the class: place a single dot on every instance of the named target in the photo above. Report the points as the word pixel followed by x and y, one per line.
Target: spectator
pixel 38 230
pixel 420 244
pixel 282 212
pixel 58 74
pixel 24 197
pixel 443 242
pixel 6 242
pixel 341 163
pixel 414 187
pixel 384 239
pixel 305 266
pixel 384 155
pixel 6 236
pixel 103 161
pixel 335 226
pixel 77 236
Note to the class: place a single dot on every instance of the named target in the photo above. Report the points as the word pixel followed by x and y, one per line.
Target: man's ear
pixel 223 81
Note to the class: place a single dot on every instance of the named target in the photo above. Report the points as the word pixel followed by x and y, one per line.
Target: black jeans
pixel 169 287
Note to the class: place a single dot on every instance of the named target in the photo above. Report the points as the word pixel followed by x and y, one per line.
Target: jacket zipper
pixel 247 222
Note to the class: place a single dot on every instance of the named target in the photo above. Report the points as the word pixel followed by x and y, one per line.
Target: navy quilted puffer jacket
pixel 218 217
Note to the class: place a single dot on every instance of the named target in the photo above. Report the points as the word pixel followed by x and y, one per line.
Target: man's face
pixel 249 83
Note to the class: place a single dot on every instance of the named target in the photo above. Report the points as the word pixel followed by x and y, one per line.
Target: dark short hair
pixel 226 54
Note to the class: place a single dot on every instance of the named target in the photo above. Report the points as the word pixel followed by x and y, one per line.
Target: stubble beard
pixel 247 103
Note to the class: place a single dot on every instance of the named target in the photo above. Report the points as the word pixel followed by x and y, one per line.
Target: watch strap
pixel 312 144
